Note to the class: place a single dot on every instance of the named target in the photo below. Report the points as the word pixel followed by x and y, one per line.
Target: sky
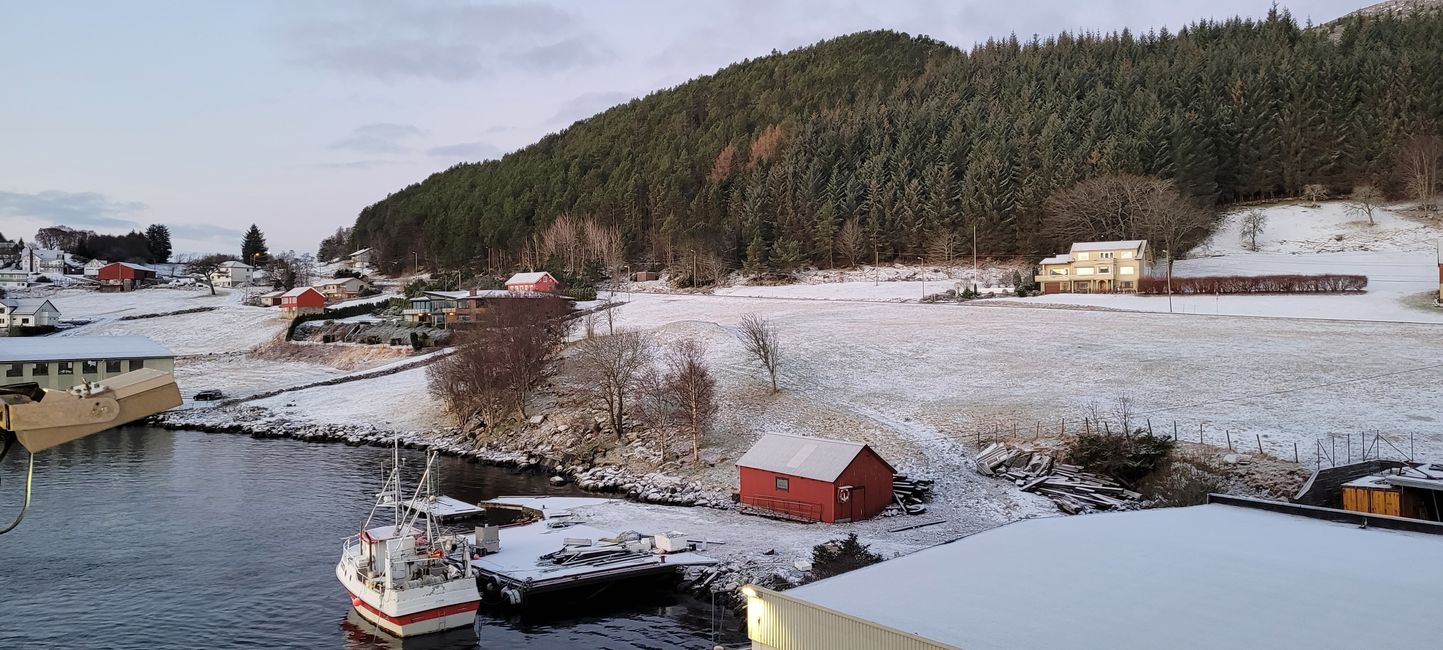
pixel 211 116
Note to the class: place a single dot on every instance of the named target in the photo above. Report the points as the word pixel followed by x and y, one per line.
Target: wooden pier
pixel 554 550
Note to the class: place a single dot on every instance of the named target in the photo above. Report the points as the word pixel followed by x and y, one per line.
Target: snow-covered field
pixel 1398 254
pixel 397 402
pixel 91 304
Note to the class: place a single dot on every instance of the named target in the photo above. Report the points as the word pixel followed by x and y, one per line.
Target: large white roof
pixel 27 305
pixel 1119 245
pixel 74 348
pixel 1064 258
pixel 814 458
pixel 1213 576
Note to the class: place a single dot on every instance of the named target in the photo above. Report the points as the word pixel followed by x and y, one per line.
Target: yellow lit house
pixel 1095 267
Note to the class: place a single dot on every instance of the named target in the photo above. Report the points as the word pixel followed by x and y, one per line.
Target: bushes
pixel 1217 284
pixel 1124 457
pixel 839 556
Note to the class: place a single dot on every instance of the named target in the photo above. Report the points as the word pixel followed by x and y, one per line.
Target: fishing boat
pixel 406 577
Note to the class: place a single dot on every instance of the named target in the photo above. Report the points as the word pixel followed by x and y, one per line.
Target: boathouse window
pixel 89 367
pixel 66 367
pixel 15 370
pixel 40 369
pixel 782 484
pixel 112 366
pixel 136 364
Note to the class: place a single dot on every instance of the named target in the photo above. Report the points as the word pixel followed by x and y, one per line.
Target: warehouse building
pixel 62 362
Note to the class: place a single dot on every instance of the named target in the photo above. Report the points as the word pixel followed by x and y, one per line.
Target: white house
pixel 14 278
pixel 92 268
pixel 232 274
pixel 43 260
pixel 28 312
pixel 342 288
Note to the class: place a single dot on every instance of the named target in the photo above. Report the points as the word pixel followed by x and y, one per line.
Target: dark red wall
pixel 118 271
pixel 869 475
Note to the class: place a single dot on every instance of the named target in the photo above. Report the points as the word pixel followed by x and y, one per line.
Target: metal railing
pixel 800 509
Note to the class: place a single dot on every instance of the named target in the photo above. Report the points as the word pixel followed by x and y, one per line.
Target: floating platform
pixel 527 563
pixel 444 509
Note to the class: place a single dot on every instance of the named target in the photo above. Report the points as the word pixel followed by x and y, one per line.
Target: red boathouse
pixel 815 479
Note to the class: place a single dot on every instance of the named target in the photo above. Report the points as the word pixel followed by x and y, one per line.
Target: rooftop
pixel 26 305
pixel 1118 245
pixel 814 458
pixel 297 291
pixel 1214 576
pixel 527 278
pixel 48 348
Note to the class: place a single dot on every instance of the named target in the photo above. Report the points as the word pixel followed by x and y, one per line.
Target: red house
pixel 302 300
pixel 815 479
pixel 538 281
pixel 123 276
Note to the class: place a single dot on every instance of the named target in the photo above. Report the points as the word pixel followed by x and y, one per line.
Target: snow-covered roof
pixel 61 348
pixel 1065 258
pixel 447 295
pixel 297 291
pixel 26 306
pixel 132 265
pixel 233 264
pixel 814 458
pixel 15 272
pixel 363 251
pixel 95 264
pixel 1216 576
pixel 273 294
pixel 527 278
pixel 1124 244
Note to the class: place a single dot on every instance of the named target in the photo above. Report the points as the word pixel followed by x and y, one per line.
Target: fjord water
pixel 142 538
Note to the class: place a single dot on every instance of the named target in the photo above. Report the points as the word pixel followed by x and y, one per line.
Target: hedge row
pixel 1216 284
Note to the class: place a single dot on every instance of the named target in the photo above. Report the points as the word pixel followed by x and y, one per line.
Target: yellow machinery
pixel 41 418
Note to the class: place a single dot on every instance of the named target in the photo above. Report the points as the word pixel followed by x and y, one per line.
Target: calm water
pixel 146 538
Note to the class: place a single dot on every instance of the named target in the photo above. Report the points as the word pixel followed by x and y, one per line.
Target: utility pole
pixel 1168 253
pixel 974 253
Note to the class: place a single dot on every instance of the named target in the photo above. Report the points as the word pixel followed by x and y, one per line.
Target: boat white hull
pixel 412 612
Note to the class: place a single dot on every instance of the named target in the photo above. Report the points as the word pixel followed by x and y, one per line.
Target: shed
pixel 124 275
pixel 302 300
pixel 270 298
pixel 537 281
pixel 815 479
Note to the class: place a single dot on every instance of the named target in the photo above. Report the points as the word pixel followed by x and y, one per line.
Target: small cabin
pixel 815 479
pixel 302 300
pixel 1412 491
pixel 538 281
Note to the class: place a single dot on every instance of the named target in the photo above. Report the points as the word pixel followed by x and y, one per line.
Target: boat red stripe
pixel 424 615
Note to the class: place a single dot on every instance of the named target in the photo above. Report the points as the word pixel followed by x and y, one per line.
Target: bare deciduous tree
pixel 851 242
pixel 655 406
pixel 612 364
pixel 499 364
pixel 692 389
pixel 1419 162
pixel 1125 206
pixel 944 246
pixel 206 266
pixel 1253 224
pixel 1366 199
pixel 1313 193
pixel 759 337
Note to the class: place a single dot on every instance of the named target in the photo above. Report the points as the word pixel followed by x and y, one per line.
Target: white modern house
pixel 92 268
pixel 27 312
pixel 232 274
pixel 14 278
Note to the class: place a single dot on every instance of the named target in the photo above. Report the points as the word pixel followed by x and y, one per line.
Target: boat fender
pixel 512 595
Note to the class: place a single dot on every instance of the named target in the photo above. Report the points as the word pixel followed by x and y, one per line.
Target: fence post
pixel 1199 433
pixel 1149 426
pixel 1229 434
pixel 1038 435
pixel 1260 443
pixel 1174 430
pixel 1295 452
pixel 1086 426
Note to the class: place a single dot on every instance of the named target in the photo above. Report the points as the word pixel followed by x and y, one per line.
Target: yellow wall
pixel 776 621
pixel 1378 502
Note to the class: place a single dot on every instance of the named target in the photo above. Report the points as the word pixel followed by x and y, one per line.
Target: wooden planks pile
pixel 1072 489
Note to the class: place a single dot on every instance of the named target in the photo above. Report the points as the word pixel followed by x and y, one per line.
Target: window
pixel 136 364
pixel 90 367
pixel 1127 255
pixel 1127 270
pixel 1104 270
pixel 1082 257
pixel 1086 270
pixel 1107 256
pixel 782 484
pixel 1127 284
pixel 15 370
pixel 24 320
pixel 66 367
pixel 112 366
pixel 1057 271
pixel 40 369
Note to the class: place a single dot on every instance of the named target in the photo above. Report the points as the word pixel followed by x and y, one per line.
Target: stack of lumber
pixel 909 493
pixel 1072 489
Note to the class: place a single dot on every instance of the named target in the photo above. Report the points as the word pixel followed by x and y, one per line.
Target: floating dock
pixel 528 562
pixel 445 509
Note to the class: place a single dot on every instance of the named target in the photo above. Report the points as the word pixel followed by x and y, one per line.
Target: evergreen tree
pixel 253 246
pixel 157 239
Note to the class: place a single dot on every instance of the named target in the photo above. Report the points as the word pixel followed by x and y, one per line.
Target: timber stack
pixel 1072 489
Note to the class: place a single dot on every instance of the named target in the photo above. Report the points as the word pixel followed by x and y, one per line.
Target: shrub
pixel 1182 481
pixel 1127 458
pixel 582 293
pixel 1231 284
pixel 839 556
pixel 346 273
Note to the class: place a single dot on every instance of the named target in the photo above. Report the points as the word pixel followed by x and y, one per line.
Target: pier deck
pixel 445 508
pixel 518 564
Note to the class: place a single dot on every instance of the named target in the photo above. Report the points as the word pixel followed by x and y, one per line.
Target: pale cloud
pixel 84 210
pixel 380 137
pixel 466 151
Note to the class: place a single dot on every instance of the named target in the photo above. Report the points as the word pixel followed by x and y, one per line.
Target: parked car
pixel 209 395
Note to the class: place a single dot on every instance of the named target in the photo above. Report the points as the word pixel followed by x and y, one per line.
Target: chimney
pixel 473 293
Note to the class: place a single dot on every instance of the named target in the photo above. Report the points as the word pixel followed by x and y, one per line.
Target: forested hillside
pixel 881 142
